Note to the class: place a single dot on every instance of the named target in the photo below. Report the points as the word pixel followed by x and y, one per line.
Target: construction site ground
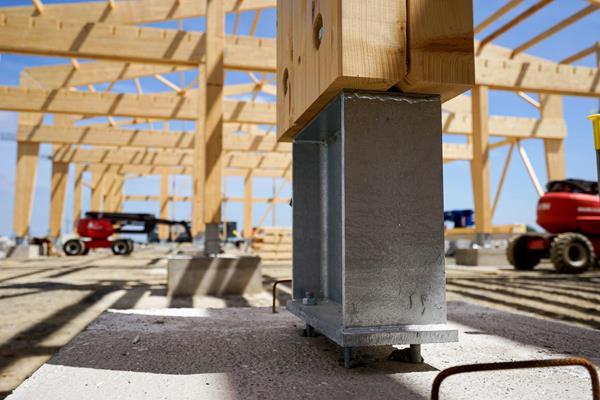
pixel 501 315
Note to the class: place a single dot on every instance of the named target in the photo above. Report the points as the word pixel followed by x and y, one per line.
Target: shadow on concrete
pixel 259 352
pixel 582 342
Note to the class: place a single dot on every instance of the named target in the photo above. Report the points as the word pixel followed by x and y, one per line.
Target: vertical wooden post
pixel 118 192
pixel 199 159
pixel 248 203
pixel 163 230
pixel 551 107
pixel 60 175
pixel 97 190
pixel 215 75
pixel 26 171
pixel 77 193
pixel 108 188
pixel 480 165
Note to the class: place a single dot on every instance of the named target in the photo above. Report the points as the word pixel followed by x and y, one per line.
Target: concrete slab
pixel 23 251
pixel 189 276
pixel 486 257
pixel 249 353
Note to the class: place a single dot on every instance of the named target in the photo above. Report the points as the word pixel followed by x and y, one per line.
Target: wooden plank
pixel 510 127
pixel 480 166
pixel 158 106
pixel 135 11
pixel 98 41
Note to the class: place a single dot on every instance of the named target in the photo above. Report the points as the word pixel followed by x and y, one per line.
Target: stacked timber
pixel 273 244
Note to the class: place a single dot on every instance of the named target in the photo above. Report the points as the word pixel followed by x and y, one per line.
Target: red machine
pixel 96 230
pixel 570 212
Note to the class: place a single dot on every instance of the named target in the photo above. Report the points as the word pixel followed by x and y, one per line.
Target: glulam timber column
pixel 215 76
pixel 77 195
pixel 59 177
pixel 480 165
pixel 163 230
pixel 551 107
pixel 248 204
pixel 26 171
pixel 360 87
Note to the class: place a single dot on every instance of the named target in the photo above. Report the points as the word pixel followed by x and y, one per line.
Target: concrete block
pixel 486 257
pixel 24 251
pixel 213 276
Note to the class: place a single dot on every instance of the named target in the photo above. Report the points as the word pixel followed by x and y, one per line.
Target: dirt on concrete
pixel 45 302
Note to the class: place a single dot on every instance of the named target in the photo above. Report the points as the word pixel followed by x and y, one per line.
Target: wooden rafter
pixel 515 21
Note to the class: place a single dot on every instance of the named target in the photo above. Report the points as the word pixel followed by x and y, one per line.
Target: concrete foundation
pixel 189 276
pixel 250 353
pixel 24 251
pixel 482 256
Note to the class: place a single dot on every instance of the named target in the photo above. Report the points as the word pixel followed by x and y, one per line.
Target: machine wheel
pixel 131 246
pixel 519 255
pixel 572 253
pixel 86 251
pixel 120 247
pixel 74 247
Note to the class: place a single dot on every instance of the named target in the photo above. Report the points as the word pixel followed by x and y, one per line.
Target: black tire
pixel 86 251
pixel 74 247
pixel 120 247
pixel 131 246
pixel 572 253
pixel 519 255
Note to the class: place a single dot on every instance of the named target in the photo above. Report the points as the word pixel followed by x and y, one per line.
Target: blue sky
pixel 517 203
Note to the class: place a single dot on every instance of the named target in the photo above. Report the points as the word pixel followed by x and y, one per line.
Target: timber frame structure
pixel 230 138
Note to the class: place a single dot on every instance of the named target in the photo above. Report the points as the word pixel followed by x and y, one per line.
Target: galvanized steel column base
pixel 368 262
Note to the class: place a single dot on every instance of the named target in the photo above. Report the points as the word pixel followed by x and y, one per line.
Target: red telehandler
pixel 570 212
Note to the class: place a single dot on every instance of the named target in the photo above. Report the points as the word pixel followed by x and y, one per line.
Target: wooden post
pixel 480 166
pixel 60 175
pixel 97 190
pixel 163 230
pixel 118 192
pixel 199 158
pixel 26 171
pixel 551 107
pixel 215 76
pixel 248 203
pixel 77 193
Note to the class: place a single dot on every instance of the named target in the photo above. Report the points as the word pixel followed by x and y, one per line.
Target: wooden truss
pixel 230 138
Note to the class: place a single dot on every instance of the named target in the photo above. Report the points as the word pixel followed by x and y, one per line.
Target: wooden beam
pixel 515 21
pixel 156 106
pixel 556 28
pixel 510 127
pixel 232 140
pixel 214 117
pixel 497 15
pixel 538 77
pixel 554 149
pixel 480 166
pixel 98 41
pixel 581 54
pixel 502 178
pixel 134 12
pixel 232 160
